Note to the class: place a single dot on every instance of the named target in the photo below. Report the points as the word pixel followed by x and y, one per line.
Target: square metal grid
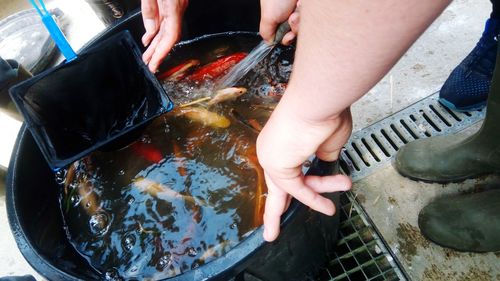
pixel 360 254
pixel 373 147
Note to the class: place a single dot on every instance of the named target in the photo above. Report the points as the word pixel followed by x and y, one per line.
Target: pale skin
pixel 273 13
pixel 344 49
pixel 162 21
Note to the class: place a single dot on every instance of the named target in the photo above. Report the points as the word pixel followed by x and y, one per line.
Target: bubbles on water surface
pixel 99 223
pixel 191 251
pixel 134 269
pixel 128 242
pixel 165 261
pixel 130 199
pixel 134 227
pixel 60 176
pixel 145 138
pixel 112 275
pixel 196 264
pixel 75 200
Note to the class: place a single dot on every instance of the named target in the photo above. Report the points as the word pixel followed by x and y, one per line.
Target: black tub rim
pixel 24 244
pixel 219 268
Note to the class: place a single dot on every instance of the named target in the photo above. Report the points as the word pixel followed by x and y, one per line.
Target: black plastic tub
pixel 304 245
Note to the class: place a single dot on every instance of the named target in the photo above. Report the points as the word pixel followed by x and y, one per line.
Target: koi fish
pixel 213 251
pixel 147 151
pixel 162 191
pixel 203 116
pixel 88 198
pixel 255 124
pixel 178 72
pixel 227 94
pixel 179 160
pixel 216 68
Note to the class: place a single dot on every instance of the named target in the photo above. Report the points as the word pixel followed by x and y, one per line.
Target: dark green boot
pixel 449 158
pixel 469 222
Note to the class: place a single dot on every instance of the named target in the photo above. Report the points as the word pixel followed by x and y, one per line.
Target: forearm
pixel 345 47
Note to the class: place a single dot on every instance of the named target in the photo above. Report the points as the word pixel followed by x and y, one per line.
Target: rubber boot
pixel 450 158
pixel 467 222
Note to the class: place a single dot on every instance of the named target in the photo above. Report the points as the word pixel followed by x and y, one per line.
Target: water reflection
pixel 182 195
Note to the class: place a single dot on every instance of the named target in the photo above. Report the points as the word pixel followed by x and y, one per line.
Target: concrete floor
pixel 82 25
pixel 392 201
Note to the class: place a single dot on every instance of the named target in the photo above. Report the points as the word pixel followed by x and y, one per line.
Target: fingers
pixel 288 38
pixel 267 29
pixel 148 54
pixel 306 191
pixel 328 183
pixel 162 20
pixel 297 188
pixel 293 21
pixel 168 36
pixel 277 201
pixel 150 17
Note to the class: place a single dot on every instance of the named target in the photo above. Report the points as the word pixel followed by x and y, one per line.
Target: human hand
pixel 162 21
pixel 273 13
pixel 284 144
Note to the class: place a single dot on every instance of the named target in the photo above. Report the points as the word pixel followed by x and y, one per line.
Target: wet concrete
pixel 424 68
pixel 392 201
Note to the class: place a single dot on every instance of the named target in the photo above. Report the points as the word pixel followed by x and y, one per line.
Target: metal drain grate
pixel 361 254
pixel 375 145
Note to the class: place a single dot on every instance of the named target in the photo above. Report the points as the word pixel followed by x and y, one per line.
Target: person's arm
pixel 162 21
pixel 344 48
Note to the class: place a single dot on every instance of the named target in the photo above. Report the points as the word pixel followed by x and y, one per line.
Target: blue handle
pixel 54 31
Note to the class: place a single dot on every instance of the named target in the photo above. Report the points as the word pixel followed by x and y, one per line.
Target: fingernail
pixel 153 68
pixel 144 40
pixel 266 235
pixel 289 40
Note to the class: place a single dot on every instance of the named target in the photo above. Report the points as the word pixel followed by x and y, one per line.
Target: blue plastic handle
pixel 54 31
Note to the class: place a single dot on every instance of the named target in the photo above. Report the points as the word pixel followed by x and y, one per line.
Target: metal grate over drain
pixel 360 254
pixel 374 146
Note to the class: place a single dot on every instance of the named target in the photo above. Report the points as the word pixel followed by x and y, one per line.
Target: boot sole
pixel 458 180
pixel 454 248
pixel 451 106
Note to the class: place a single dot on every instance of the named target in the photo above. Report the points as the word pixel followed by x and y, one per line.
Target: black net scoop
pixel 82 105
